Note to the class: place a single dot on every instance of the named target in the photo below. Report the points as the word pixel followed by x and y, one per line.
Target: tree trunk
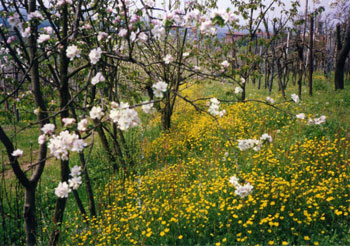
pixel 342 53
pixel 29 215
pixel 166 114
pixel 311 60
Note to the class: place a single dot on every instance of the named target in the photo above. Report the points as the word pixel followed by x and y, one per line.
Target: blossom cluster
pixel 214 108
pixel 124 116
pixel 64 188
pixel 241 190
pixel 63 143
pixel 317 121
pixel 255 144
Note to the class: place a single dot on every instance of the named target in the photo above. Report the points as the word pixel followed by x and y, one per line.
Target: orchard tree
pixel 342 15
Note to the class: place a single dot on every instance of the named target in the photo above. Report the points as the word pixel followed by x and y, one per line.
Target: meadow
pixel 180 191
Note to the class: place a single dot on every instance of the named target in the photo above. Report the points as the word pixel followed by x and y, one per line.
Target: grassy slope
pixel 183 162
pixel 181 194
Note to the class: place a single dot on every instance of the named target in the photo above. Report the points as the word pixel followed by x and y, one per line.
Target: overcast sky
pixel 226 3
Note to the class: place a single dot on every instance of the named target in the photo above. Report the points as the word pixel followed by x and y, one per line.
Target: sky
pixel 227 3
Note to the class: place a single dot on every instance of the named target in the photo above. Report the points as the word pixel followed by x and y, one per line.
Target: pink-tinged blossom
pixel 197 68
pixel 97 78
pixel 143 37
pixel 96 113
pixel 134 18
pixel 123 32
pixel 78 145
pixel 43 38
pixel 270 100
pixel 225 64
pixel 133 37
pixel 168 59
pixel 35 15
pixel 41 139
pixel 101 35
pixel 68 121
pixel 62 2
pixel 48 30
pixel 149 3
pixel 17 153
pixel 26 32
pixel 159 88
pixel 62 190
pixel 95 55
pixel 82 125
pixel 48 128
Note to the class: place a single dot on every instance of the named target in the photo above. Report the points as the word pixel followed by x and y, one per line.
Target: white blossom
pixel 196 68
pixel 244 144
pixel 62 190
pixel 234 181
pixel 48 128
pixel 244 190
pixel 96 113
pixel 266 137
pixel 317 121
pixel 95 55
pixel 75 171
pixel 238 90
pixel 74 182
pixel 73 51
pixel 124 116
pixel 295 98
pixel 214 108
pixel 159 88
pixel 98 78
pixel 148 108
pixel 63 143
pixel 14 20
pixel 300 116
